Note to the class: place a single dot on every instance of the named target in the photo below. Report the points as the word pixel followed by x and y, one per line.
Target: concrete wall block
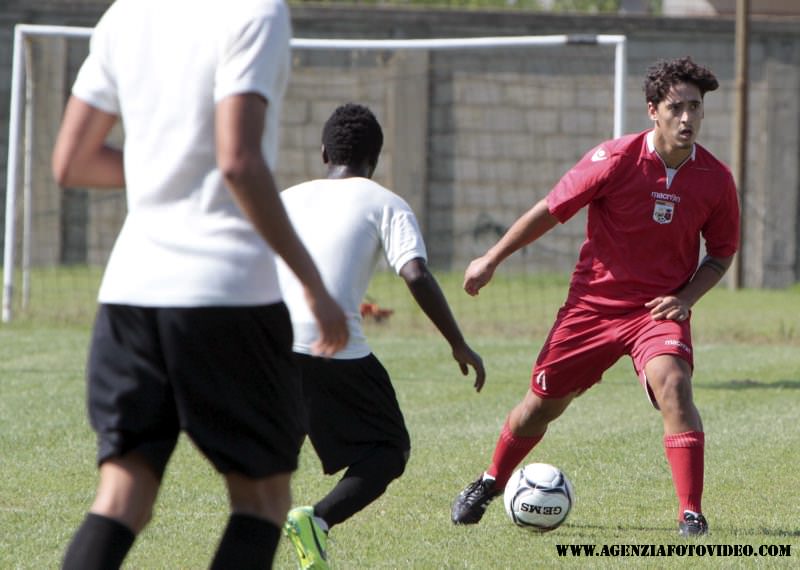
pixel 555 146
pixel 541 121
pixel 298 137
pixel 529 92
pixel 440 195
pixel 460 168
pixel 296 111
pixel 489 118
pixel 477 92
pixel 499 127
pixel 293 160
pixel 441 118
pixel 501 171
pixel 535 177
pixel 577 122
pixel 596 97
pixel 471 194
pixel 442 92
pixel 558 97
pixel 442 145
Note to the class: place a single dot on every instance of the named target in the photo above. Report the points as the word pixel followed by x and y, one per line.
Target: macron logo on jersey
pixel 599 154
pixel 681 345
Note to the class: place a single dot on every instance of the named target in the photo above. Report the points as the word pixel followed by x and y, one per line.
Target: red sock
pixel 508 453
pixel 685 456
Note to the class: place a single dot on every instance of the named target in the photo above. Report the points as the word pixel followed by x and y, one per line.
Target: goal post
pixel 21 127
pixel 618 41
pixel 475 129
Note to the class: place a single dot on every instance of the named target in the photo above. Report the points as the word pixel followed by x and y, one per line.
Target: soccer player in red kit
pixel 651 197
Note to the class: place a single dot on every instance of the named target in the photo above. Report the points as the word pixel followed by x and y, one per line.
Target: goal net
pixel 476 131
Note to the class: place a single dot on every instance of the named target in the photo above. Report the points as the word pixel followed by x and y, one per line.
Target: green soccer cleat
pixel 309 540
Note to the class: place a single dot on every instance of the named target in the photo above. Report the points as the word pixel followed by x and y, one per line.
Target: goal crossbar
pixel 22 32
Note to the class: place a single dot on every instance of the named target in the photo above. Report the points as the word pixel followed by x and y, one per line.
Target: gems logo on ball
pixel 538 497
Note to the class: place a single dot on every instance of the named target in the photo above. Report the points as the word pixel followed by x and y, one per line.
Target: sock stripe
pixel 685 439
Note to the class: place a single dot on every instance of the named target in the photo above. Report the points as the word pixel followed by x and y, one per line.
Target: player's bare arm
pixel 529 227
pixel 429 297
pixel 239 123
pixel 678 307
pixel 81 156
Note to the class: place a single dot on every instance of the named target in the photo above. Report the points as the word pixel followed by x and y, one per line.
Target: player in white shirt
pixel 348 222
pixel 191 333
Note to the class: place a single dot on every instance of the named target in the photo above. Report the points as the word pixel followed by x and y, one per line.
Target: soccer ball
pixel 538 497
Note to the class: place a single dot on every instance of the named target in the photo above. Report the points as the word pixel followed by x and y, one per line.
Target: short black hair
pixel 352 136
pixel 664 74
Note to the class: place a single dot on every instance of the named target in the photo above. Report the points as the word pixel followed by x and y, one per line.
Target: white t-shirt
pixel 162 66
pixel 346 225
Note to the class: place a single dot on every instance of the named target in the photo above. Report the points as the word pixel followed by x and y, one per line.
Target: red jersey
pixel 645 221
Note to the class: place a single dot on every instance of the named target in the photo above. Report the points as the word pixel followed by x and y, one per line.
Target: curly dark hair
pixel 664 74
pixel 352 136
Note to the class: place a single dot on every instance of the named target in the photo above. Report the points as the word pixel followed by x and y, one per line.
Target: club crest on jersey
pixel 663 212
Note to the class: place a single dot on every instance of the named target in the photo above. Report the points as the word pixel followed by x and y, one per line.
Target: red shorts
pixel 583 344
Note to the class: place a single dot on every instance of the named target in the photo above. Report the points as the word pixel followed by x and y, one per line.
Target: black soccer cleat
pixel 471 503
pixel 693 524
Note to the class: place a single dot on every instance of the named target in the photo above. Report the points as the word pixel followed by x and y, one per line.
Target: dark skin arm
pixel 428 295
pixel 423 286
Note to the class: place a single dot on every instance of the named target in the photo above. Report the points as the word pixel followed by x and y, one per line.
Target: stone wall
pixel 472 141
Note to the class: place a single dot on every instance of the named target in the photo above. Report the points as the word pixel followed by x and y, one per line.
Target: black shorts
pixel 224 375
pixel 352 408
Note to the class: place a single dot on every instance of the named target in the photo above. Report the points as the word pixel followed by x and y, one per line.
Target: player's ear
pixel 325 159
pixel 652 110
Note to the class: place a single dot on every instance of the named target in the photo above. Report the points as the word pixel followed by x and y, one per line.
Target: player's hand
pixel 332 323
pixel 478 273
pixel 467 357
pixel 669 307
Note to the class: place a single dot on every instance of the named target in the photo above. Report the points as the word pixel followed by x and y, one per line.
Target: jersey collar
pixel 651 146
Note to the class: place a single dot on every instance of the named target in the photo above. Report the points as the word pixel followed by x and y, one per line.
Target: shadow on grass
pixel 606 528
pixel 748 384
pixel 781 533
pixel 772 532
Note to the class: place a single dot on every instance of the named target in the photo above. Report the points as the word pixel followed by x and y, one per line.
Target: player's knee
pixel 675 391
pixel 381 466
pixel 134 516
pixel 392 461
pixel 268 497
pixel 534 414
pixel 144 519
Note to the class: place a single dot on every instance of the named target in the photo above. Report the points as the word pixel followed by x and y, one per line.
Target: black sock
pixel 100 543
pixel 248 543
pixel 361 484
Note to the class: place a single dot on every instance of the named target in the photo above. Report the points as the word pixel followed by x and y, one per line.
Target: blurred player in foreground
pixel 651 196
pixel 347 222
pixel 191 332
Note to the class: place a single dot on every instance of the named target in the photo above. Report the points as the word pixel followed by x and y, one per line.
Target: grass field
pixel 747 386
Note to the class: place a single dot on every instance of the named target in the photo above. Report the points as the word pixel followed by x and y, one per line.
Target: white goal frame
pixel 23 124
